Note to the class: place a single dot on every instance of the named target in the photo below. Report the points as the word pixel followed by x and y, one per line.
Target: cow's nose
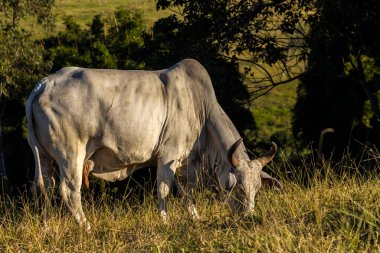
pixel 250 209
pixel 249 212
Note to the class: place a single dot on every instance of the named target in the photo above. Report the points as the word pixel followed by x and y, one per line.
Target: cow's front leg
pixel 186 182
pixel 165 178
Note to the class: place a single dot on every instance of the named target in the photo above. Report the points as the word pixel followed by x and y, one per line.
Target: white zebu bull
pixel 116 121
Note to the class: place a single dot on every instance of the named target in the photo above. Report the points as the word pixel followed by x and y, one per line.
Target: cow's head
pixel 245 178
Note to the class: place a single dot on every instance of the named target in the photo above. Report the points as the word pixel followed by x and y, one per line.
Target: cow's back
pixel 121 110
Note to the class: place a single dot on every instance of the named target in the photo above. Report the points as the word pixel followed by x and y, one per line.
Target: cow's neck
pixel 222 134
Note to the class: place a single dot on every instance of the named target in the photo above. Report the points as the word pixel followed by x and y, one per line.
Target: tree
pixel 264 36
pixel 340 88
pixel 116 46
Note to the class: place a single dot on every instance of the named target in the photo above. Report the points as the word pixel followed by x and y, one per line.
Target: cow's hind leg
pixel 71 181
pixel 48 181
pixel 44 190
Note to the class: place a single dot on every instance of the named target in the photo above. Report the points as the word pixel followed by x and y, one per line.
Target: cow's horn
pixel 267 157
pixel 231 153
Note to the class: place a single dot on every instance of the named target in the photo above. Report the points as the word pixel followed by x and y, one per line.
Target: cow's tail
pixel 32 139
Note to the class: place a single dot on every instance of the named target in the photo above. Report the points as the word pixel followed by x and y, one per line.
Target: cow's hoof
pixel 194 214
pixel 163 216
pixel 47 228
pixel 87 227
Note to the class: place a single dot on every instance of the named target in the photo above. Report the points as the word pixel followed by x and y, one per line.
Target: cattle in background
pixel 113 122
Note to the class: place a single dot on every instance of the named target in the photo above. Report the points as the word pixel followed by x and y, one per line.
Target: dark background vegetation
pixel 337 42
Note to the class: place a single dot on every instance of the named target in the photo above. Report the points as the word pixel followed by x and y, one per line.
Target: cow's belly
pixel 108 166
pixel 113 176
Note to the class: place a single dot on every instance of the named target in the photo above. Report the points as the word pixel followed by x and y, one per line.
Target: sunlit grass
pixel 320 212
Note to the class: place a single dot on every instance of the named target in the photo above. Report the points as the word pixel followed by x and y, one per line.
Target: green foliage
pixel 20 56
pixel 105 44
pixel 219 34
pixel 21 62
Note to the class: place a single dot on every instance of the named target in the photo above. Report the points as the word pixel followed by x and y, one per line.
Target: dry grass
pixel 332 214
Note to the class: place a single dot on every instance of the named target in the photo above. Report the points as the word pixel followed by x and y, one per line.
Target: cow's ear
pixel 266 178
pixel 231 182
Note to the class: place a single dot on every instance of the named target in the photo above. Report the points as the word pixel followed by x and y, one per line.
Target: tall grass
pixel 324 211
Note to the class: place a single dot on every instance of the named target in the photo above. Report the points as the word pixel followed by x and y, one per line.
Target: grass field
pixel 84 11
pixel 332 214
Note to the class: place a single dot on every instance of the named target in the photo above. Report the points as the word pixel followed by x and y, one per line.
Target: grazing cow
pixel 113 122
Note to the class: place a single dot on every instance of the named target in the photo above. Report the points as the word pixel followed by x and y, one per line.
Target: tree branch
pixel 271 86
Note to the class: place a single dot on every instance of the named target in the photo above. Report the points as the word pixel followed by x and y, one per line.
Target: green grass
pixel 273 112
pixel 84 11
pixel 334 213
